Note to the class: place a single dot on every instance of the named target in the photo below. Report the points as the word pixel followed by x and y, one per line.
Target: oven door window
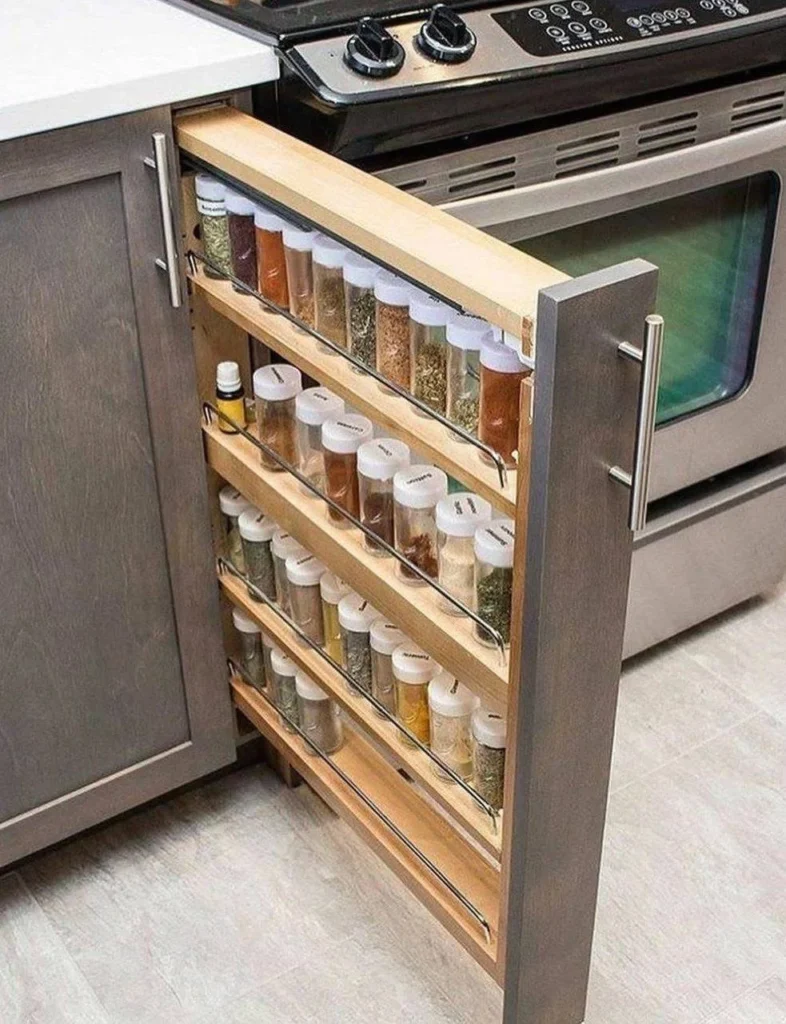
pixel 713 249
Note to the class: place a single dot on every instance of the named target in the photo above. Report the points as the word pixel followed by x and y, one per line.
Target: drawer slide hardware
pixel 649 356
pixel 160 164
pixel 209 411
pixel 236 671
pixel 194 257
pixel 226 567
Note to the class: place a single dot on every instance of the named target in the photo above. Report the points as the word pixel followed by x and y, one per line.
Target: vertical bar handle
pixel 650 358
pixel 170 263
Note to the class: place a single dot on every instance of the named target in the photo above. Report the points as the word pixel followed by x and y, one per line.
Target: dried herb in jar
pixel 392 328
pixel 362 327
pixel 465 413
pixel 490 774
pixel 494 596
pixel 430 375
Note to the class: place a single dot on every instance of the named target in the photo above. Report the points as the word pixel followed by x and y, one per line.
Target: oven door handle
pixel 629 182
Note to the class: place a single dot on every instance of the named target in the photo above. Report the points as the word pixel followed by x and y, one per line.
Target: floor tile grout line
pixel 690 750
pixel 716 1014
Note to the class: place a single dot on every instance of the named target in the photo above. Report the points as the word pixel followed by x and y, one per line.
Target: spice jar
pixel 331 590
pixel 378 463
pixel 416 493
pixel 428 320
pixel 384 638
pixel 230 398
pixel 267 655
pixel 494 578
pixel 303 573
pixel 298 243
pixel 231 503
pixel 488 750
pixel 214 229
pixel 501 374
pixel 242 239
pixel 391 294
pixel 271 266
pixel 464 335
pixel 283 547
pixel 275 388
pixel 282 688
pixel 329 308
pixel 312 407
pixel 359 274
pixel 450 706
pixel 320 717
pixel 355 616
pixel 251 659
pixel 341 439
pixel 458 517
pixel 256 534
pixel 413 670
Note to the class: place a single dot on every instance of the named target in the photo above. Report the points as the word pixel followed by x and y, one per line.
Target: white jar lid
pixel 332 588
pixel 496 333
pixel 467 332
pixel 391 289
pixel 346 434
pixel 308 689
pixel 232 502
pixel 385 636
pixel 208 187
pixel 284 545
pixel 227 376
pixel 460 514
pixel 239 204
pixel 489 728
pixel 243 622
pixel 496 356
pixel 450 698
pixel 267 220
pixel 359 271
pixel 427 310
pixel 328 252
pixel 315 405
pixel 382 458
pixel 299 239
pixel 277 382
pixel 355 613
pixel 419 486
pixel 304 570
pixel 413 665
pixel 282 664
pixel 494 543
pixel 255 525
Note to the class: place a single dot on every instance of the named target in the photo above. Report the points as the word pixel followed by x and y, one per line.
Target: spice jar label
pixel 211 207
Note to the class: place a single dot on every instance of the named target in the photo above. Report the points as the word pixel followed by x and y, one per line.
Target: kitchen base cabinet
pixel 112 671
pixel 517 887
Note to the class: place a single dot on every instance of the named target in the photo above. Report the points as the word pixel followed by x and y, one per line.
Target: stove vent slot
pixel 587 153
pixel 412 186
pixel 487 165
pixel 666 134
pixel 480 186
pixel 756 110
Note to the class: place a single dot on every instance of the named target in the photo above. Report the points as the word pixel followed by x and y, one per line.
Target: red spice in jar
pixel 501 375
pixel 271 263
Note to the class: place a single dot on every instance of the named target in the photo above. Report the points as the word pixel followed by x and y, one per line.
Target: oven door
pixel 709 218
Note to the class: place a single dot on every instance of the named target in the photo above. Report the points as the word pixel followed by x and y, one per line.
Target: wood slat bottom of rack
pixel 455 801
pixel 466 868
pixel 450 639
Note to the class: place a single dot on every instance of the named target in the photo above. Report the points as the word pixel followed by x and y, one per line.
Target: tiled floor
pixel 245 903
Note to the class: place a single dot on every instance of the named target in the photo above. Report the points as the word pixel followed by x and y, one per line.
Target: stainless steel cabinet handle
pixel 639 479
pixel 160 164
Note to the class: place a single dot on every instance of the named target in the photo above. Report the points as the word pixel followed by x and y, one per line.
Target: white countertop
pixel 68 61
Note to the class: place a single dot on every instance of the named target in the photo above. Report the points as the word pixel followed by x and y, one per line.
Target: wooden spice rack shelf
pixel 467 869
pixel 386 409
pixel 448 638
pixel 458 804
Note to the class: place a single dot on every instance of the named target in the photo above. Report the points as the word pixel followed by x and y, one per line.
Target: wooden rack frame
pixel 572 554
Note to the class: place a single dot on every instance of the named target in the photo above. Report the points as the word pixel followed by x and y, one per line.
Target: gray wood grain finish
pixel 110 650
pixel 578 552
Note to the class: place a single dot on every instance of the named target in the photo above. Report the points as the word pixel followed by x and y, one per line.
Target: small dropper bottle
pixel 230 396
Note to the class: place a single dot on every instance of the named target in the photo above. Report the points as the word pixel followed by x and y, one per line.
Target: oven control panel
pixel 546 30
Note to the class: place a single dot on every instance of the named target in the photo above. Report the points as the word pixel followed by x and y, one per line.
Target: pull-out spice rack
pixel 518 888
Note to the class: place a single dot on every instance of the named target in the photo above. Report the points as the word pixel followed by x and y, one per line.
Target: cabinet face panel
pixel 113 681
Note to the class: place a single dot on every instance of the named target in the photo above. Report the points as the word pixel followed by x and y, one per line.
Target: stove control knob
pixel 372 51
pixel 446 37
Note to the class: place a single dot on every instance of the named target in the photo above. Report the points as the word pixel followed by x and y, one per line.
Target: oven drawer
pixel 516 888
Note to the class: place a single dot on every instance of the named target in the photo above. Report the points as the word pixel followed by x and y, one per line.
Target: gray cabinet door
pixel 112 681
